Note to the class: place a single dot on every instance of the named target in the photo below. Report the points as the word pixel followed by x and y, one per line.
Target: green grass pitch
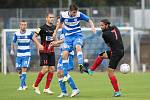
pixel 97 87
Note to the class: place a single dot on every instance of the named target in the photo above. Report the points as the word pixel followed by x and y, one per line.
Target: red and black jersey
pixel 46 35
pixel 113 39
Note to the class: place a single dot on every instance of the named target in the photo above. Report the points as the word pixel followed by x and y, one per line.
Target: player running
pixel 73 36
pixel 113 39
pixel 47 54
pixel 23 39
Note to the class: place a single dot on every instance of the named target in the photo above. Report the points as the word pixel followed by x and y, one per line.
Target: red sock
pixel 114 83
pixel 97 62
pixel 38 79
pixel 49 79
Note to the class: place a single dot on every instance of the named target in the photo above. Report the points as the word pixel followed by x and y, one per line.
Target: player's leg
pixel 23 78
pixel 18 68
pixel 61 83
pixel 60 78
pixel 98 61
pixel 75 90
pixel 77 43
pixel 25 65
pixel 51 63
pixel 65 53
pixel 114 60
pixel 44 64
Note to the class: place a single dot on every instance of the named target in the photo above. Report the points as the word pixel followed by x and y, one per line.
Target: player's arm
pixel 34 38
pixel 87 19
pixel 56 30
pixel 12 44
pixel 59 25
pixel 92 26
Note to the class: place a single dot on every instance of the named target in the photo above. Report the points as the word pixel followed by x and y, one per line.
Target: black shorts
pixel 47 59
pixel 114 58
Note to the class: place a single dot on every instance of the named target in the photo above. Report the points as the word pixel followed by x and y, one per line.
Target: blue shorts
pixel 22 62
pixel 70 66
pixel 71 41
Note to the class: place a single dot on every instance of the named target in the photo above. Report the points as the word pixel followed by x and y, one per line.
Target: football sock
pixel 80 57
pixel 114 83
pixel 97 62
pixel 38 79
pixel 62 85
pixel 23 79
pixel 65 67
pixel 49 79
pixel 71 82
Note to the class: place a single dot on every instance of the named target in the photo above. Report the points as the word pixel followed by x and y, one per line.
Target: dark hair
pixel 106 21
pixel 23 20
pixel 49 13
pixel 73 7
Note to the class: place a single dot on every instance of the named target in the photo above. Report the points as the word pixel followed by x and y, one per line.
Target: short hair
pixel 73 7
pixel 106 21
pixel 23 20
pixel 49 13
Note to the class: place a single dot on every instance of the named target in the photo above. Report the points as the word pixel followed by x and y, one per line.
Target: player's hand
pixel 94 30
pixel 12 52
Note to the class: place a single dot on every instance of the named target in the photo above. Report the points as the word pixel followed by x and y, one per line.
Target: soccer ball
pixel 124 68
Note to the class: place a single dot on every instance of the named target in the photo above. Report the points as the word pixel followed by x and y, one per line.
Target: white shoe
pixel 75 92
pixel 20 89
pixel 48 91
pixel 62 95
pixel 36 89
pixel 25 88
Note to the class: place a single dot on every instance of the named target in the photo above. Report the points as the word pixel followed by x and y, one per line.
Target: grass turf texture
pixel 97 87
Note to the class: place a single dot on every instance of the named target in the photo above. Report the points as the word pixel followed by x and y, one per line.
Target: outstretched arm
pixel 92 26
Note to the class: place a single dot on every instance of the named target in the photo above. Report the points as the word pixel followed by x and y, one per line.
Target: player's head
pixel 58 21
pixel 104 24
pixel 23 25
pixel 73 8
pixel 49 18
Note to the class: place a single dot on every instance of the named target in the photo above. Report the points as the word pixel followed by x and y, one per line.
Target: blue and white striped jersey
pixel 72 24
pixel 23 40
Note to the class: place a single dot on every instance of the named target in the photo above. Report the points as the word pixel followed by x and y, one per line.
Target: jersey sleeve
pixel 61 17
pixel 14 38
pixel 84 17
pixel 31 35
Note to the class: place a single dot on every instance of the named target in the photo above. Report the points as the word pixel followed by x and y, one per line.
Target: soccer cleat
pixel 25 88
pixel 36 89
pixel 75 92
pixel 90 72
pixel 48 91
pixel 81 67
pixel 65 79
pixel 62 95
pixel 117 94
pixel 20 89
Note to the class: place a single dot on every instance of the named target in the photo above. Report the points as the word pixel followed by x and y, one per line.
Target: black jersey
pixel 113 39
pixel 46 34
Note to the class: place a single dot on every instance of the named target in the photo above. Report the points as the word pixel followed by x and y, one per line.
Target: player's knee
pixel 60 74
pixel 78 48
pixel 110 72
pixel 52 68
pixel 103 55
pixel 45 69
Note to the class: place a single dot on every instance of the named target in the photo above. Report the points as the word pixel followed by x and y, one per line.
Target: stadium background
pixel 122 13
